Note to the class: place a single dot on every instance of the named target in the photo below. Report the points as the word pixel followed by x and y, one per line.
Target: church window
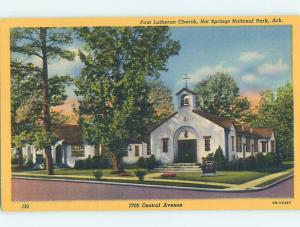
pixel 247 144
pixel 165 142
pixel 137 150
pixel 207 143
pixel 149 148
pixel 256 145
pixel 77 150
pixel 232 143
pixel 264 146
pixel 238 144
pixel 272 146
pixel 185 100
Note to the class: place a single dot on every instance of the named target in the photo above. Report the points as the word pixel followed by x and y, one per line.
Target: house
pixel 70 147
pixel 187 136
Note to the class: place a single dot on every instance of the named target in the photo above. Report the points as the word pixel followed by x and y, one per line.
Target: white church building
pixel 187 136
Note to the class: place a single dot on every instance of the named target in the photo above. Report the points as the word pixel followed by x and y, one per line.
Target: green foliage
pixel 160 98
pixel 96 162
pixel 256 162
pixel 97 174
pixel 219 94
pixel 140 173
pixel 219 159
pixel 28 165
pixel 147 163
pixel 114 84
pixel 276 110
pixel 33 92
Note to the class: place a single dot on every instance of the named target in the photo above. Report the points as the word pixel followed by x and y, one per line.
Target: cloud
pixel 250 78
pixel 251 56
pixel 65 67
pixel 206 71
pixel 272 69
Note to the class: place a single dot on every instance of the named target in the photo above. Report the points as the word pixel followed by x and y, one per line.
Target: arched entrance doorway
pixel 58 154
pixel 185 145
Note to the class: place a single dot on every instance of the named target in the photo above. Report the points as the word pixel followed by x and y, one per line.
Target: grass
pixel 77 172
pixel 230 177
pixel 179 184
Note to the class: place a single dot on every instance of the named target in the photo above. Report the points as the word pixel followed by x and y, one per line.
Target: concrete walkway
pixel 258 181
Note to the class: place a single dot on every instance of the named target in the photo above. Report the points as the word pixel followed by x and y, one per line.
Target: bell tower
pixel 186 99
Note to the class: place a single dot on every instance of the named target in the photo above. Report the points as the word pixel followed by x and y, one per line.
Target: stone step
pixel 180 167
pixel 183 164
pixel 178 170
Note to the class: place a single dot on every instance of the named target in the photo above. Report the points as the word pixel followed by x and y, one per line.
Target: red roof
pixel 225 123
pixel 72 134
pixel 264 132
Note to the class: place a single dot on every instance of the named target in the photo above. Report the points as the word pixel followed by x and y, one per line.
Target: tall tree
pixel 276 110
pixel 219 94
pixel 46 45
pixel 160 98
pixel 113 90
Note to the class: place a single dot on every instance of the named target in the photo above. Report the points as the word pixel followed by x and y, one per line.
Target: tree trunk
pixel 45 94
pixel 116 163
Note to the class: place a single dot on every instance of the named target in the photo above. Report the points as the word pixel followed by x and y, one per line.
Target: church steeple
pixel 186 99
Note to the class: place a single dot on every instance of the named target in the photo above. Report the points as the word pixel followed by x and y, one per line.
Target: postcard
pixel 150 113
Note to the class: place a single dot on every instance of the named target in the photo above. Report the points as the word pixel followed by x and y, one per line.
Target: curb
pixel 158 186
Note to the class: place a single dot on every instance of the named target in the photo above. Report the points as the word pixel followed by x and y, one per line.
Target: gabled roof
pixel 264 132
pixel 155 126
pixel 224 123
pixel 186 89
pixel 71 134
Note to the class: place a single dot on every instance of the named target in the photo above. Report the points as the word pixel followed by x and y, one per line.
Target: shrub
pixel 151 162
pixel 96 162
pixel 140 173
pixel 14 159
pixel 28 165
pixel 257 162
pixel 140 163
pixel 147 163
pixel 97 174
pixel 219 159
pixel 80 164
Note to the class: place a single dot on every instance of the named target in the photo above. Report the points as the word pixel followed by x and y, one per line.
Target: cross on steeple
pixel 186 78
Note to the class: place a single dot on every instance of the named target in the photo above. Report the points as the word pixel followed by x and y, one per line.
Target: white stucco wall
pixel 88 151
pixel 185 117
pixel 231 150
pixel 131 158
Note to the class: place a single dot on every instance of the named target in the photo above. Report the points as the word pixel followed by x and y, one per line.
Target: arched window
pixel 185 100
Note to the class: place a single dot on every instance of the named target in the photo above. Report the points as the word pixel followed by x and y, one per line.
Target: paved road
pixel 41 190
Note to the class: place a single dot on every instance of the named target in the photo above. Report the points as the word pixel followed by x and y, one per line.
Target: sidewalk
pixel 252 184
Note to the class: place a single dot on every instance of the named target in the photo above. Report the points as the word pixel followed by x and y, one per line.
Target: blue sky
pixel 258 57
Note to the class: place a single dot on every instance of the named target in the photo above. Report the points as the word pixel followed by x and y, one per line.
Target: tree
pixel 160 98
pixel 46 45
pixel 219 94
pixel 113 88
pixel 276 110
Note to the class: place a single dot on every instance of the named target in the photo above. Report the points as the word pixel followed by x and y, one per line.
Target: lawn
pixel 230 177
pixel 77 172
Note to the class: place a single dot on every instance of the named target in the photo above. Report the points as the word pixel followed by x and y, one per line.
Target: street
pixel 44 190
